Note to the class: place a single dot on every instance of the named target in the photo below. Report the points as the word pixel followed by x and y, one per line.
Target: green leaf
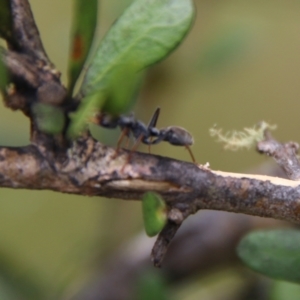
pixel 274 253
pixel 50 119
pixel 5 20
pixel 122 90
pixel 154 213
pixel 83 29
pixel 88 106
pixel 147 32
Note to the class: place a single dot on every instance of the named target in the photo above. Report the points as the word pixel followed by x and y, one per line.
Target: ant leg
pixel 133 149
pixel 137 143
pixel 127 142
pixel 149 147
pixel 191 153
pixel 121 137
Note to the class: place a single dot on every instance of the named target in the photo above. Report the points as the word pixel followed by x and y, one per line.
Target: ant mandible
pixel 147 134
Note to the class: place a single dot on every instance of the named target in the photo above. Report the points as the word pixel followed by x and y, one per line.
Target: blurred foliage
pixel 151 286
pixel 15 284
pixel 83 30
pixel 228 283
pixel 3 77
pixel 5 20
pixel 282 290
pixel 275 253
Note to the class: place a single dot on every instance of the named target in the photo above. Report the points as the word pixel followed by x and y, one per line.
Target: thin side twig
pixel 285 155
pixel 26 32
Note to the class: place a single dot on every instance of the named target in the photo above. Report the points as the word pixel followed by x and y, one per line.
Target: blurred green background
pixel 240 64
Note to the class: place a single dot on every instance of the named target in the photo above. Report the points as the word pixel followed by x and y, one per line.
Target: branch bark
pixel 90 168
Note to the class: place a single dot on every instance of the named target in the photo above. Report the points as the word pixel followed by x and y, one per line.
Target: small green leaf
pixel 5 20
pixel 83 29
pixel 88 106
pixel 50 119
pixel 146 33
pixel 274 253
pixel 154 213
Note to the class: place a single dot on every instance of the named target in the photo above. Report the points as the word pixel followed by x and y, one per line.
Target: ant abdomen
pixel 177 136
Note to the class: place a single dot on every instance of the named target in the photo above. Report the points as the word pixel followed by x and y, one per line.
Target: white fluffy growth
pixel 236 140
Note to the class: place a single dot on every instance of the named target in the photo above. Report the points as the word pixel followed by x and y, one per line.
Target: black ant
pixel 149 135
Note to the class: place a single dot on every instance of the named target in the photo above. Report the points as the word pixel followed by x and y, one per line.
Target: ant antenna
pixel 191 154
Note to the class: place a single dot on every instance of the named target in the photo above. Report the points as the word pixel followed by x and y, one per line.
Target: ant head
pixel 178 136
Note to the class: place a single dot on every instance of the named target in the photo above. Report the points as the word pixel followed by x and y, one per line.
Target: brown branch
pixel 285 155
pixel 25 31
pixel 89 168
pixel 163 242
pixel 33 75
pixel 25 68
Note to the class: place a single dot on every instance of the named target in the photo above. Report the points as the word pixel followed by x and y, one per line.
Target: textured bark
pixel 90 168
